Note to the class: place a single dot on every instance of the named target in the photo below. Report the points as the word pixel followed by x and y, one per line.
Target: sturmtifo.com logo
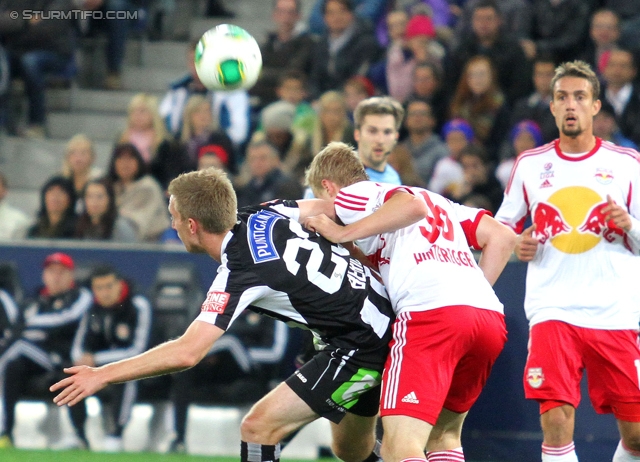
pixel 37 15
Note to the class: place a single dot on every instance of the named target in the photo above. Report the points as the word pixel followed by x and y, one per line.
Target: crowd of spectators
pixel 467 73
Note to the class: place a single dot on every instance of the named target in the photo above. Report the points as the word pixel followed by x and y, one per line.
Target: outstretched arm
pixel 497 242
pixel 172 356
pixel 401 210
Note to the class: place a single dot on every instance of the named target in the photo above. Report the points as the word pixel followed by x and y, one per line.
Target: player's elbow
pixel 185 357
pixel 186 360
pixel 508 238
pixel 417 209
pixel 492 233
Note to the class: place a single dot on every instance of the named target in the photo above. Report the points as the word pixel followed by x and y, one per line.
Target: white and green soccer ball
pixel 228 58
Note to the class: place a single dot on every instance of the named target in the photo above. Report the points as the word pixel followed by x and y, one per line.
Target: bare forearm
pixel 166 358
pixel 398 212
pixel 313 207
pixel 493 260
pixel 497 242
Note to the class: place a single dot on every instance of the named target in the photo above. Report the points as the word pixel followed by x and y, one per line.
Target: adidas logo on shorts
pixel 411 398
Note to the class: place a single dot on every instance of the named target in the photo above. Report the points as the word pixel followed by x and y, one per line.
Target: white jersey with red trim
pixel 585 271
pixel 426 265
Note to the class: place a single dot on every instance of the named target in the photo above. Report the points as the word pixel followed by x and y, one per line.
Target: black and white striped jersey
pixel 272 265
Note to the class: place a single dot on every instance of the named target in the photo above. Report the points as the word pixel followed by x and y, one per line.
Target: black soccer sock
pixel 254 452
pixel 375 454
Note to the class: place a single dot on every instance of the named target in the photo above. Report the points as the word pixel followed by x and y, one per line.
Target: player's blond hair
pixel 206 196
pixel 579 69
pixel 378 105
pixel 337 162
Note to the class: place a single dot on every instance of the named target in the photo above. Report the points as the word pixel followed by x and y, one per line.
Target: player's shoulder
pixel 535 154
pixel 622 153
pixel 542 156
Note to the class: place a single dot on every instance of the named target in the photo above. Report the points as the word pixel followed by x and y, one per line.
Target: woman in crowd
pixel 78 162
pixel 100 219
pixel 57 217
pixel 200 130
pixel 479 100
pixel 145 129
pixel 138 195
pixel 332 123
pixel 165 157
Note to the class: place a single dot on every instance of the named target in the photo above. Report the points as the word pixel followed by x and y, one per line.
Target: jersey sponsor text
pixel 216 302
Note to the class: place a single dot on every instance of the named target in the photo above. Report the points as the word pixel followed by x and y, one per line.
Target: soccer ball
pixel 228 58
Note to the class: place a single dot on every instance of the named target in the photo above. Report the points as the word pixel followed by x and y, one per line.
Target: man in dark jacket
pixel 284 49
pixel 116 327
pixel 347 49
pixel 268 181
pixel 38 37
pixel 488 38
pixel 37 358
pixel 621 92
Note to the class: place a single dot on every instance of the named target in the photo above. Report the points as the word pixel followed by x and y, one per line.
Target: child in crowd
pixel 524 135
pixel 448 174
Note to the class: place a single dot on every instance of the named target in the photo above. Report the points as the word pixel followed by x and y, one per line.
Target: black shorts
pixel 333 383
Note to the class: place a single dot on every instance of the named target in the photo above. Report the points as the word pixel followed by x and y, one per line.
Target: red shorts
pixel 560 352
pixel 440 359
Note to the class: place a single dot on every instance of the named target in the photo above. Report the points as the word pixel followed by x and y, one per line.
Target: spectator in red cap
pixel 417 46
pixel 356 89
pixel 212 155
pixel 44 347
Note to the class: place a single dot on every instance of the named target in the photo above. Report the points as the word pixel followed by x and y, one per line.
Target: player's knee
pixel 254 430
pixel 348 451
pixel 385 450
pixel 557 424
pixel 632 441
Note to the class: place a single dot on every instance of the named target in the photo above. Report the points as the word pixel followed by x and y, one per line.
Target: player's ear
pixel 356 135
pixel 597 105
pixel 330 188
pixel 193 226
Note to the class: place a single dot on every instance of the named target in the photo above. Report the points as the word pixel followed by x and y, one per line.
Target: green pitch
pixel 21 455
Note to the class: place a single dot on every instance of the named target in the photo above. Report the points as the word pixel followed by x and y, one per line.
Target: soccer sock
pixel 624 454
pixel 564 454
pixel 375 454
pixel 413 459
pixel 452 455
pixel 254 452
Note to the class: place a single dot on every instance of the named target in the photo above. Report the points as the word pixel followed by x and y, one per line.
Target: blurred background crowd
pixel 89 141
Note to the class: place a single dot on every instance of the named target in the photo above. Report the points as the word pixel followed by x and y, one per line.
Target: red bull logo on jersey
pixel 573 220
pixel 604 176
pixel 596 224
pixel 549 222
pixel 535 377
